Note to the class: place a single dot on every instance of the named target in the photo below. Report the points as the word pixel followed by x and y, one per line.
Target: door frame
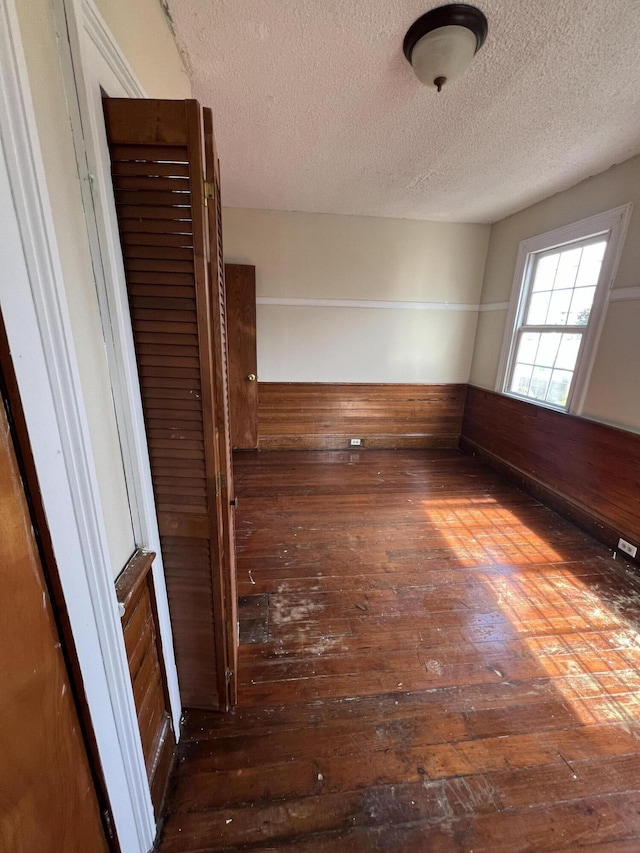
pixel 81 21
pixel 36 317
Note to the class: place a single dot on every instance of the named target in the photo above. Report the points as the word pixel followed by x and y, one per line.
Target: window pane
pixel 559 287
pixel 545 272
pixel 537 313
pixel 559 307
pixel 548 349
pixel 528 347
pixel 540 379
pixel 581 306
pixel 521 379
pixel 559 387
pixel 590 264
pixel 568 352
pixel 567 268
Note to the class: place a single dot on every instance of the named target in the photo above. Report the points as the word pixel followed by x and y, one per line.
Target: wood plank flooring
pixel 443 664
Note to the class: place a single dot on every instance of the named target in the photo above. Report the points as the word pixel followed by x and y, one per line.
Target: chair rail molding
pixel 36 316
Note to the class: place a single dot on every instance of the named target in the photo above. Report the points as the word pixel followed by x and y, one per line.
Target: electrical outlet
pixel 355 442
pixel 627 547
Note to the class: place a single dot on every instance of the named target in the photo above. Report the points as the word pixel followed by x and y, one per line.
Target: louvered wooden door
pixel 220 344
pixel 168 238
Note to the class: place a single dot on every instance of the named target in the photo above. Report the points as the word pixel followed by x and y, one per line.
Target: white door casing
pixel 36 315
pixel 93 65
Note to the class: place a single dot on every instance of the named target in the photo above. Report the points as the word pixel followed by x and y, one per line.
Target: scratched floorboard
pixel 445 665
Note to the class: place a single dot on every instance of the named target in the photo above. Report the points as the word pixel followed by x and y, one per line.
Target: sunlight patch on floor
pixel 581 641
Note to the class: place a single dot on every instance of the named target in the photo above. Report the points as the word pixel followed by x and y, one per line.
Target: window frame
pixel 612 224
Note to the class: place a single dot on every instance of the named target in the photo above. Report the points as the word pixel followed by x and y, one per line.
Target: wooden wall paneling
pixel 324 416
pixel 157 154
pixel 586 470
pixel 225 487
pixel 135 592
pixel 243 360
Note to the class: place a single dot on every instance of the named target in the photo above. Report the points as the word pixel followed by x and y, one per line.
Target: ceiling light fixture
pixel 442 43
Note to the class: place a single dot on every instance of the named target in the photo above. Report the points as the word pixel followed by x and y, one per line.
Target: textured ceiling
pixel 316 108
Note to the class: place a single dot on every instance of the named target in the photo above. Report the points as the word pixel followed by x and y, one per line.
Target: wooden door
pixel 48 801
pixel 157 151
pixel 226 494
pixel 243 360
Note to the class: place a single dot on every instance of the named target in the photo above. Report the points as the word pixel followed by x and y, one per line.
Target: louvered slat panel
pixel 146 168
pixel 162 265
pixel 157 183
pixel 151 252
pixel 157 230
pixel 188 575
pixel 159 242
pixel 154 183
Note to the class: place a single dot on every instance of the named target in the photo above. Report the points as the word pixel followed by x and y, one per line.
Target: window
pixel 560 293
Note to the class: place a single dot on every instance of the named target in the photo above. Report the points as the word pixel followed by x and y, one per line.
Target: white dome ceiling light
pixel 442 42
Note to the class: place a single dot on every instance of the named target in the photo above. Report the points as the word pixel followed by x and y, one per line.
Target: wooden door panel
pixel 47 798
pixel 226 493
pixel 243 362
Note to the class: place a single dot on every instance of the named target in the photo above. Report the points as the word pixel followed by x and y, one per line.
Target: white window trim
pixel 82 21
pixel 612 222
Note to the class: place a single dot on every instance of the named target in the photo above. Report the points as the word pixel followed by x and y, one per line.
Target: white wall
pixel 614 390
pixel 141 25
pixel 141 30
pixel 354 261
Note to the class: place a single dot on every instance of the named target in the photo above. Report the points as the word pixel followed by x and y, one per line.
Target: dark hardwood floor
pixel 432 662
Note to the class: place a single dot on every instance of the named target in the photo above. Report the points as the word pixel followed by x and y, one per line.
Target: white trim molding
pixel 367 303
pixel 37 321
pixel 493 306
pixel 622 293
pixel 97 30
pixel 90 54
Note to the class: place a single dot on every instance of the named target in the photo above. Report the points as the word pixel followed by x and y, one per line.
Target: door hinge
pixel 209 191
pixel 221 482
pixel 107 821
pixel 229 673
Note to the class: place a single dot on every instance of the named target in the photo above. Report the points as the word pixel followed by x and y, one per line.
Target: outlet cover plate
pixel 627 547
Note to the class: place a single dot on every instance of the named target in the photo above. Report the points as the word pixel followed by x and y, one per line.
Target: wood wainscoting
pixel 135 592
pixel 585 470
pixel 324 416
